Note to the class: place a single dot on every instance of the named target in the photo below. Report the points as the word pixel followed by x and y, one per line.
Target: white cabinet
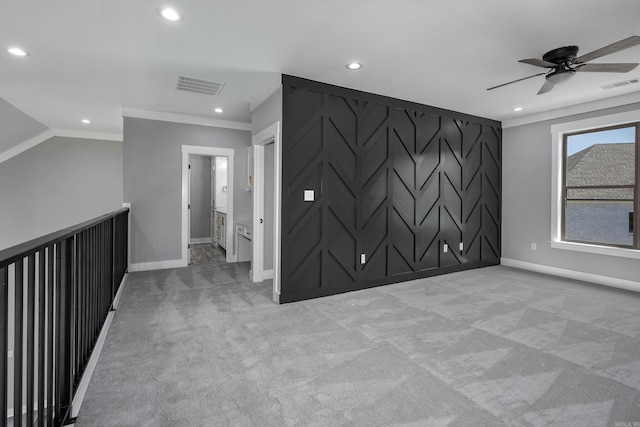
pixel 244 230
pixel 242 241
pixel 220 232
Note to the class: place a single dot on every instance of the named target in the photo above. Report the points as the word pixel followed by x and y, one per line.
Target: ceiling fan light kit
pixel 564 62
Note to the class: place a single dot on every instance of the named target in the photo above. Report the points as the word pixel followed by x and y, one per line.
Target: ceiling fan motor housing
pixel 561 55
pixel 564 58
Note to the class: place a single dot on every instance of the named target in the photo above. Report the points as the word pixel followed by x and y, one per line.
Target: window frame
pixel 558 131
pixel 635 185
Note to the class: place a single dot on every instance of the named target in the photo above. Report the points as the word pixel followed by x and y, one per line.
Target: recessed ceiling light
pixel 86 121
pixel 516 109
pixel 17 51
pixel 354 65
pixel 218 110
pixel 170 14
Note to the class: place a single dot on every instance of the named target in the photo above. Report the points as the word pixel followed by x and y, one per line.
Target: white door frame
pixel 206 151
pixel 267 136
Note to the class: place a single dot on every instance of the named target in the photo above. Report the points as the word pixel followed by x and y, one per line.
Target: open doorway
pixel 208 207
pixel 206 204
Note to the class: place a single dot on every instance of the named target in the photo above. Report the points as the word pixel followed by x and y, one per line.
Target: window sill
pixel 595 249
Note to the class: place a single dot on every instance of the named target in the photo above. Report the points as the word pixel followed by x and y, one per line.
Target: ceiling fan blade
pixel 608 68
pixel 546 87
pixel 515 81
pixel 538 62
pixel 612 48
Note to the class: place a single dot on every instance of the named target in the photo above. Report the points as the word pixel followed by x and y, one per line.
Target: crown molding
pixel 587 107
pixel 24 146
pixel 50 133
pixel 184 119
pixel 88 135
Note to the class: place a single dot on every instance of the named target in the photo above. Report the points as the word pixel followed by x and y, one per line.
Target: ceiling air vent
pixel 204 87
pixel 620 84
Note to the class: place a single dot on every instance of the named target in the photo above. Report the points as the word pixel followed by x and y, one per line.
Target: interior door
pixel 189 213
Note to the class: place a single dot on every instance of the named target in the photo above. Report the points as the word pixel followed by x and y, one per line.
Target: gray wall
pixel 153 183
pixel 16 127
pixel 200 197
pixel 267 113
pixel 56 184
pixel 526 202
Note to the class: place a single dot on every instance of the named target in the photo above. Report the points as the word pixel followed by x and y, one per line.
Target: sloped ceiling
pixel 92 58
pixel 16 127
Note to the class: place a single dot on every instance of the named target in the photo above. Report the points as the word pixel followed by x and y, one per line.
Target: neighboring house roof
pixel 602 164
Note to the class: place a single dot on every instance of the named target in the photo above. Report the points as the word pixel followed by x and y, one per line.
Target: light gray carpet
pixel 201 346
pixel 202 253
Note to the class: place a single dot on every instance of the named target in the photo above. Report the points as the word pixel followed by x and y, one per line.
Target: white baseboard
pixel 81 391
pixel 572 274
pixel 267 274
pixel 158 265
pixel 116 299
pixel 197 240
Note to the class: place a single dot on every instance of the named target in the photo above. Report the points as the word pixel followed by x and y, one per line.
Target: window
pixel 600 186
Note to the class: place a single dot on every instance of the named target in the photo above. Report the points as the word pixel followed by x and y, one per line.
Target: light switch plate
pixel 461 246
pixel 445 248
pixel 363 258
pixel 309 195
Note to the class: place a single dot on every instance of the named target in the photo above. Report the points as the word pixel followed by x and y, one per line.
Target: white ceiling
pixel 92 58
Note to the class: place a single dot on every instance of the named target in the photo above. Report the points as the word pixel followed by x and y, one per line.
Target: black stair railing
pixel 56 292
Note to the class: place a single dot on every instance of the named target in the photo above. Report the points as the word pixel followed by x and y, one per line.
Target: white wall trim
pixel 88 135
pixel 157 265
pixel 557 136
pixel 572 274
pixel 24 146
pixel 116 299
pixel 50 133
pixel 207 151
pixel 185 119
pixel 266 92
pixel 601 104
pixel 267 135
pixel 128 205
pixel 199 240
pixel 596 249
pixel 81 391
pixel 595 122
pixel 257 240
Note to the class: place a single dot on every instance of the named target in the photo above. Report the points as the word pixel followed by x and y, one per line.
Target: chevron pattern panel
pixel 393 181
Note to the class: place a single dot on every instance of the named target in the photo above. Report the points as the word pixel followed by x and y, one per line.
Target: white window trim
pixel 557 135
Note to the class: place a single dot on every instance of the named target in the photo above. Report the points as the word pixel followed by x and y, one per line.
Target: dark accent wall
pixel 393 180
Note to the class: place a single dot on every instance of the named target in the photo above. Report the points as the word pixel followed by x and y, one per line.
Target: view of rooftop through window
pixel 600 186
pixel 581 141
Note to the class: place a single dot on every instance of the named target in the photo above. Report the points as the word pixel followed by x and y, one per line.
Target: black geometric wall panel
pixel 394 181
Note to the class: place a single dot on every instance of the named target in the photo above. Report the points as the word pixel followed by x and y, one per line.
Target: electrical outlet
pixel 309 195
pixel 461 246
pixel 445 248
pixel 363 258
pixel 533 246
pixel 10 353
